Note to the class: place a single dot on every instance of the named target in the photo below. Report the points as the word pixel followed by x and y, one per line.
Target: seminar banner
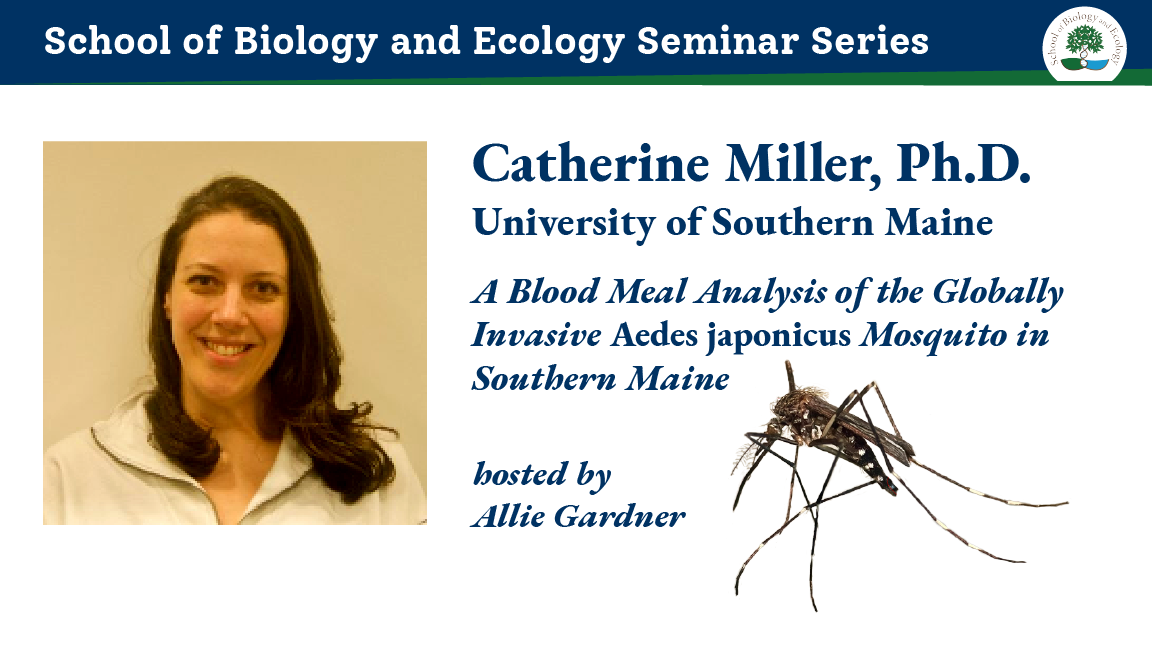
pixel 260 42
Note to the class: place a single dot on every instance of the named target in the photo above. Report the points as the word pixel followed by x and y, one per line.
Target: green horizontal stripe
pixel 1000 78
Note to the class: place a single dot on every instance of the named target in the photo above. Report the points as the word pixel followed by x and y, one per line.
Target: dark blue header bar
pixel 297 41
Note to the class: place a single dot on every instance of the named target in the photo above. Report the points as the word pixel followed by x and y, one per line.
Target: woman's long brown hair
pixel 303 379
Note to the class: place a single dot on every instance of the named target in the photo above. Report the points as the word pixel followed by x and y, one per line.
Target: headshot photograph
pixel 235 333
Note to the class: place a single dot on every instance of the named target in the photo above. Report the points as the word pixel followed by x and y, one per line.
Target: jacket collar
pixel 125 436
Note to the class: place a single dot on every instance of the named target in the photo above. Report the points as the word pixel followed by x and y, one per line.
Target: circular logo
pixel 1084 44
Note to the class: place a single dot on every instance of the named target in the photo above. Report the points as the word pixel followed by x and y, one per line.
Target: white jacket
pixel 110 474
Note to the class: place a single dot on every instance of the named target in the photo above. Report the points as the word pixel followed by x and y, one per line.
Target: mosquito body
pixel 814 422
pixel 804 418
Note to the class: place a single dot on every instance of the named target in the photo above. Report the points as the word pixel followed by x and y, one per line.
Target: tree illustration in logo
pixel 1084 39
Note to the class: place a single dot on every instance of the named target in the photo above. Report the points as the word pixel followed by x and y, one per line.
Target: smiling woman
pixel 228 308
pixel 242 425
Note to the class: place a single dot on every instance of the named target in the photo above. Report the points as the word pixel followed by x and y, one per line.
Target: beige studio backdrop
pixel 106 205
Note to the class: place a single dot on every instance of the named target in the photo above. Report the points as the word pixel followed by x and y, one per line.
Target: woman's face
pixel 228 306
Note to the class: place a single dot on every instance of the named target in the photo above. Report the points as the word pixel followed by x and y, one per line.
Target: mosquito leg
pixel 853 398
pixel 764 449
pixel 765 440
pixel 827 479
pixel 815 528
pixel 791 380
pixel 918 501
pixel 945 526
pixel 976 492
pixel 790 521
pixel 796 478
pixel 803 491
pixel 792 484
pixel 812 561
pixel 774 534
pixel 799 480
pixel 858 398
pixel 940 475
pixel 876 434
pixel 895 429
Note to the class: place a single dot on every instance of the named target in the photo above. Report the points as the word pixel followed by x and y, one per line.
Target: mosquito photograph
pixel 804 418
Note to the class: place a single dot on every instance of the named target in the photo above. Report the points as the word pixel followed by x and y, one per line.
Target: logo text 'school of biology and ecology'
pixel 1084 44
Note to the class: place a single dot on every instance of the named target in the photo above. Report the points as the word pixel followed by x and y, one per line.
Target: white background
pixel 1062 422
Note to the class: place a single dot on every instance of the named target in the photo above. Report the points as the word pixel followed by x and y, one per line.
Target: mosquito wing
pixel 897 448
